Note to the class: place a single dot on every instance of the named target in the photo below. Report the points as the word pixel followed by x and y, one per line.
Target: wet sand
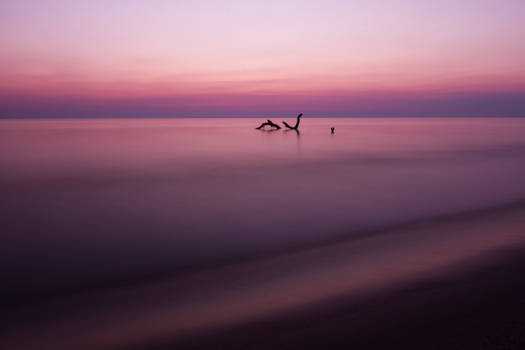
pixel 477 308
pixel 447 282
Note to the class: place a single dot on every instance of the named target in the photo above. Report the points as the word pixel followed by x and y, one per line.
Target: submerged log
pixel 269 123
pixel 296 123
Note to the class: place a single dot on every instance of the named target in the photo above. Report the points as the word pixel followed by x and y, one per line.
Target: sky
pixel 207 58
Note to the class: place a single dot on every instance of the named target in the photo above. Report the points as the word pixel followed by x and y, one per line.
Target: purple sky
pixel 255 58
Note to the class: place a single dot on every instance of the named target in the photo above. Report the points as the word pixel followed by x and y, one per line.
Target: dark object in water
pixel 332 130
pixel 296 123
pixel 269 123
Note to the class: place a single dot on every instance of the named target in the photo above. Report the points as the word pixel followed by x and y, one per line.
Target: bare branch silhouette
pixel 296 123
pixel 269 123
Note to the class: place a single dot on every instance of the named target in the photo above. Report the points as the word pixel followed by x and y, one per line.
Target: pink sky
pixel 252 58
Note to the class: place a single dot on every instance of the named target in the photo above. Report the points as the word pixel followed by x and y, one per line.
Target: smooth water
pixel 96 203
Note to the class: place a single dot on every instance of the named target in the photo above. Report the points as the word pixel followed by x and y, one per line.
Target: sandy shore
pixel 478 308
pixel 449 282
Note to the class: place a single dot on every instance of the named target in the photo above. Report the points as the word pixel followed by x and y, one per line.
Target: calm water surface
pixel 99 202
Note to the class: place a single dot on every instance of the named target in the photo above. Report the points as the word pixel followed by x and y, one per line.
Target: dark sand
pixel 478 304
pixel 473 303
pixel 480 308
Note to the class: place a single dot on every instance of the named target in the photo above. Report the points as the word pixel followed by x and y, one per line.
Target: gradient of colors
pixel 157 58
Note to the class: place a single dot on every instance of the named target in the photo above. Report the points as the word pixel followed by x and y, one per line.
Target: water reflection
pixel 190 192
pixel 297 132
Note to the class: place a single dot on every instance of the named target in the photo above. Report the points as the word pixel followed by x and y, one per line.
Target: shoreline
pixel 20 300
pixel 477 308
pixel 246 305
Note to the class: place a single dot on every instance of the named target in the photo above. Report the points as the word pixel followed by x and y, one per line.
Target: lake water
pixel 98 203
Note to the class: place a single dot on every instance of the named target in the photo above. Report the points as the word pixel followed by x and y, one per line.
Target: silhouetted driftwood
pixel 269 123
pixel 296 123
